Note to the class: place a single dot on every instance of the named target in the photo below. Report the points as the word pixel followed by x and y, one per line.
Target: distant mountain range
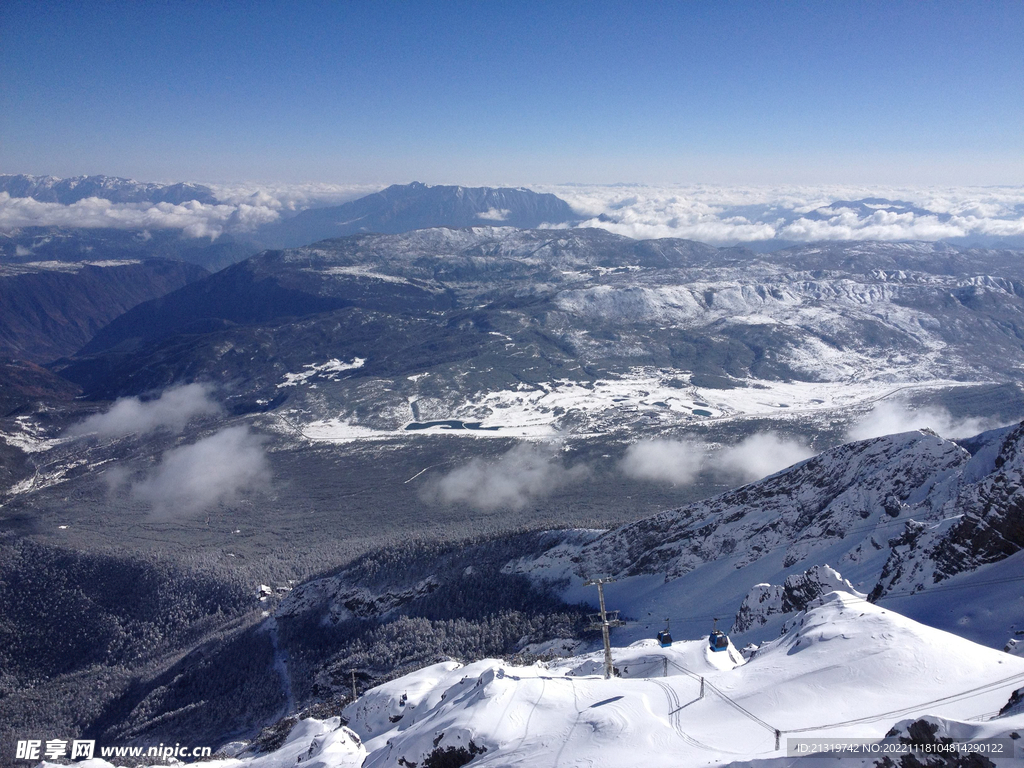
pixel 399 208
pixel 577 305
pixel 263 220
pixel 50 189
pixel 405 207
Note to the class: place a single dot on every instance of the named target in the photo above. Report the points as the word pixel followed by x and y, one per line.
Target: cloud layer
pixel 524 474
pixel 730 215
pixel 712 214
pixel 175 408
pixel 213 470
pixel 758 456
pixel 892 418
pixel 680 462
pixel 664 461
pixel 241 209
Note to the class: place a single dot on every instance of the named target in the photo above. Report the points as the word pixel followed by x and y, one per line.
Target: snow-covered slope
pixel 846 669
pixel 896 517
pixel 544 332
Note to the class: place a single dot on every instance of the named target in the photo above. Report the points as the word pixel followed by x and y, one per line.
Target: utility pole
pixel 604 621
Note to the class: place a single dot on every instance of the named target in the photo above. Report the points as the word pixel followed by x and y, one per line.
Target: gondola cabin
pixel 718 640
pixel 664 638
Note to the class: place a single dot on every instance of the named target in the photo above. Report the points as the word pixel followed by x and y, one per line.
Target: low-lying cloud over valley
pixel 192 478
pixel 894 417
pixel 172 410
pixel 679 462
pixel 517 478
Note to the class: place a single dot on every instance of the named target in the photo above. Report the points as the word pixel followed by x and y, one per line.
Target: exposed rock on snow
pixel 840 495
pixel 765 600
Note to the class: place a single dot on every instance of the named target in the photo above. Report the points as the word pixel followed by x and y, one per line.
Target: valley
pixel 426 441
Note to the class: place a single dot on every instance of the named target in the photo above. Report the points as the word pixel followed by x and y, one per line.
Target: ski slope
pixel 845 668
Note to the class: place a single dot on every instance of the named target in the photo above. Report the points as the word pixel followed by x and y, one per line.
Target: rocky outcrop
pixel 767 600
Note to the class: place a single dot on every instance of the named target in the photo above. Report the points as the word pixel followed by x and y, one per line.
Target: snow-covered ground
pixel 845 669
pixel 10 270
pixel 328 370
pixel 660 397
pixel 29 436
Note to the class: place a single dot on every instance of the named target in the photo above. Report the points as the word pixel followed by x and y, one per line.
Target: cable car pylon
pixel 604 621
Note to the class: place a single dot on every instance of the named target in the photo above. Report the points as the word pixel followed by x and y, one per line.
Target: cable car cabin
pixel 718 640
pixel 664 638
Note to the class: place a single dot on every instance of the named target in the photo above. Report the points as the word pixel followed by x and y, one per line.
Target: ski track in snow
pixel 845 670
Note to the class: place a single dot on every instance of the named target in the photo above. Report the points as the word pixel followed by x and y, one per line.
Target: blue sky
pixel 520 93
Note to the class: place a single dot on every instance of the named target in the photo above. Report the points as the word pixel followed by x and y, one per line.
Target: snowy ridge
pixel 989 525
pixel 51 189
pixel 847 669
pixel 853 489
pixel 896 516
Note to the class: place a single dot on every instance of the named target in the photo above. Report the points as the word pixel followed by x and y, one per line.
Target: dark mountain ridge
pixel 31 244
pixel 405 207
pixel 574 302
pixel 50 309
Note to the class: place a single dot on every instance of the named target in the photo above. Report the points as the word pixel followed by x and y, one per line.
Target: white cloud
pixel 199 476
pixel 172 411
pixel 242 208
pixel 893 418
pixel 195 219
pixel 758 456
pixel 494 214
pixel 727 215
pixel 291 197
pixel 712 214
pixel 515 479
pixel 679 462
pixel 666 461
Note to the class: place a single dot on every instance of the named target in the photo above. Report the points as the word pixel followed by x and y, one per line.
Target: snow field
pixel 844 660
pixel 536 413
pixel 846 668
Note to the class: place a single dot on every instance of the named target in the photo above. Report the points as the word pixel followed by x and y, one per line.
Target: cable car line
pixel 854 599
pixel 970 692
pixel 987 688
